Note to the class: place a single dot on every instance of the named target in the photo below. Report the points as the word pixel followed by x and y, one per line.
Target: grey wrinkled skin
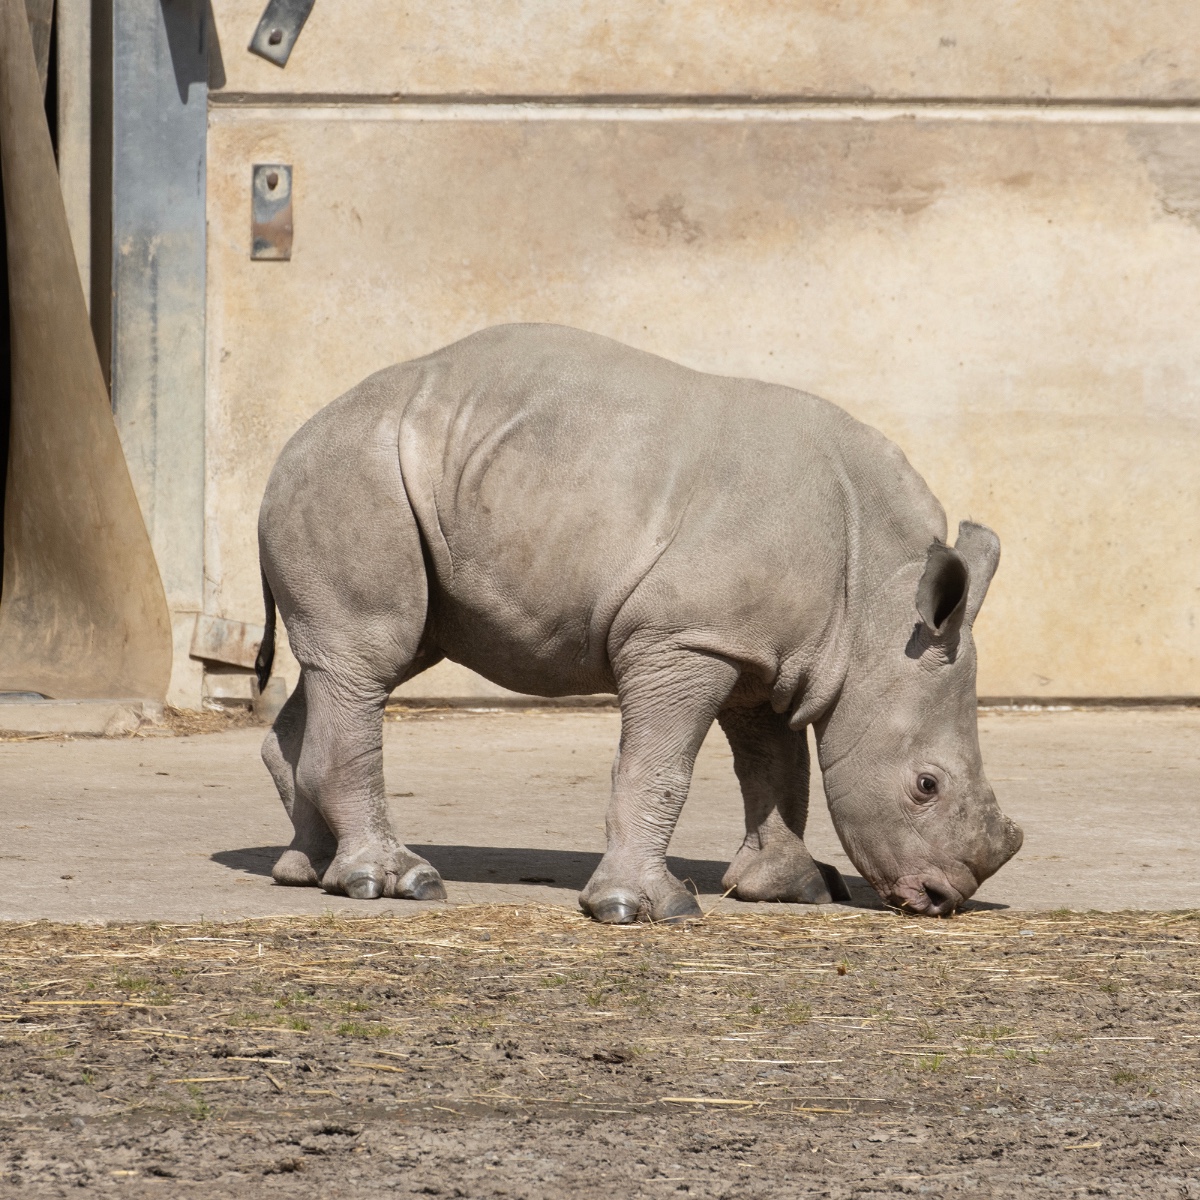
pixel 566 515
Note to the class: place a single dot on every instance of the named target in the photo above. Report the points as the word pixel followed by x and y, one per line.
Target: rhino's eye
pixel 927 785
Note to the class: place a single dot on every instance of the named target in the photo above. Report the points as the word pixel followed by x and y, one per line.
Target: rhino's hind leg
pixel 772 765
pixel 341 768
pixel 344 564
pixel 667 706
pixel 313 846
pixel 366 858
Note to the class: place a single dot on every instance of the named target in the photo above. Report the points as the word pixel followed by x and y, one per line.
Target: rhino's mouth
pixel 930 894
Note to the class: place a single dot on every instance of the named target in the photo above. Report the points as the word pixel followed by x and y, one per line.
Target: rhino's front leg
pixel 772 765
pixel 341 771
pixel 668 701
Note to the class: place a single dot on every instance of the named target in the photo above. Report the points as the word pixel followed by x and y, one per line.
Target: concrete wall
pixel 1009 291
pixel 819 49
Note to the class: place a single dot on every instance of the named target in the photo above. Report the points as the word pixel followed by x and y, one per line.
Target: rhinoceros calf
pixel 566 515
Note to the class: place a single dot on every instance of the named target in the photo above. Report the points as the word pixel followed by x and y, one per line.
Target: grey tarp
pixel 82 611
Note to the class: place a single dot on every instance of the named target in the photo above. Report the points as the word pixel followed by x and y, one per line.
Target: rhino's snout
pixel 930 894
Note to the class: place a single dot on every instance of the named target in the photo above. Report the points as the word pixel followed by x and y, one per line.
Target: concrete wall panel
pixel 1012 300
pixel 1019 49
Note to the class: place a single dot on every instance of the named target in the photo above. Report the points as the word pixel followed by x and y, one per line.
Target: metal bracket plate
pixel 279 28
pixel 271 212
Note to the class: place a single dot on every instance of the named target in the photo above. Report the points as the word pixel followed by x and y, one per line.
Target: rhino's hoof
pixel 839 893
pixel 421 883
pixel 364 885
pixel 615 910
pixel 681 907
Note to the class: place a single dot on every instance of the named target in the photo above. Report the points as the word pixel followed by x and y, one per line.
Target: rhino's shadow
pixel 567 869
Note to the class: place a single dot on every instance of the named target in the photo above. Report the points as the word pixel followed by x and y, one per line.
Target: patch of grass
pixel 357 1006
pixel 797 1013
pixel 926 1032
pixel 472 1024
pixel 143 988
pixel 989 1033
pixel 199 1109
pixel 1125 1076
pixel 1021 1056
pixel 356 1029
pixel 930 1062
pixel 89 1078
pixel 294 999
pixel 246 1017
pixel 1111 987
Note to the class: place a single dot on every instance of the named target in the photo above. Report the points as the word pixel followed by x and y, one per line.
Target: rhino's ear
pixel 942 592
pixel 980 549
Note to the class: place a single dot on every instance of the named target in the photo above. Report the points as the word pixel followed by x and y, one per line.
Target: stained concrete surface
pixel 958 49
pixel 1007 294
pixel 509 805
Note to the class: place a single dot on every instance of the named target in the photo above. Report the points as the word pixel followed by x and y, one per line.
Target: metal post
pixel 160 99
pixel 74 18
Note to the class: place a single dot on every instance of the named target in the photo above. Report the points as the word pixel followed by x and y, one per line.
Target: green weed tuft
pixel 357 1029
pixel 199 1110
pixel 797 1013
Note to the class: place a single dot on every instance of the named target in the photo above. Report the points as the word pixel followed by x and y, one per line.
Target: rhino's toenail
pixel 429 889
pixel 364 885
pixel 422 883
pixel 678 910
pixel 617 910
pixel 839 893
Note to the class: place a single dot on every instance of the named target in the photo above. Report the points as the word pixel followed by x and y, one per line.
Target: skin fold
pixel 566 515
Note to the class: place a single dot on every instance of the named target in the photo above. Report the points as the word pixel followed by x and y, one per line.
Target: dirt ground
pixel 524 1052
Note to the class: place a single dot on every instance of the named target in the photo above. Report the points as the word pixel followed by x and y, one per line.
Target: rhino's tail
pixel 266 652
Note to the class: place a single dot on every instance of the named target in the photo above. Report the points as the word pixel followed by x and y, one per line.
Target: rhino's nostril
pixel 939 902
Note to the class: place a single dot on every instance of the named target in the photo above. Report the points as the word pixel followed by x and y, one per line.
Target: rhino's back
pixel 556 473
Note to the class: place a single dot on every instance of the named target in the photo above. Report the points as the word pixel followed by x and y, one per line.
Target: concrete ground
pixel 509 805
